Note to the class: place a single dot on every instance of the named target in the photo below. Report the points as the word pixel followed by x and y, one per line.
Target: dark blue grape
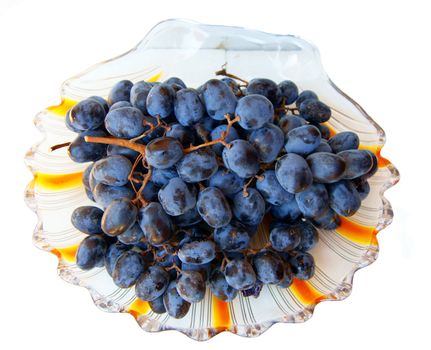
pixel 122 151
pixel 241 158
pixel 203 269
pixel 305 95
pixel 363 187
pixel 287 279
pixel 120 104
pixel 358 163
pixel 100 100
pixel 160 100
pixel 138 95
pixel 198 165
pixel 323 147
pixel 162 176
pixel 326 167
pixel 175 80
pixel 105 194
pixel 217 134
pixel 86 176
pixel 220 288
pixel 325 132
pixel 87 219
pixel 219 99
pixel 288 211
pixel 290 122
pixel 87 115
pixel 373 169
pixel 293 173
pixel 228 182
pixel 232 237
pixel 71 126
pixel 113 252
pixel 285 237
pixel 189 218
pixel 268 141
pixel 91 252
pixel 175 306
pixel 157 305
pixel 314 111
pixel 233 85
pixel 264 87
pixel 188 107
pixel 113 170
pixel 119 216
pixel 313 201
pixel 249 208
pixel 127 269
pixel 191 286
pixel 81 151
pixel 288 91
pixel 303 140
pixel 271 190
pixel 120 92
pixel 309 236
pixel 125 122
pixel 152 283
pixel 303 265
pixel 329 221
pixel 344 141
pixel 197 252
pixel 164 152
pixel 254 111
pixel 155 223
pixel 344 199
pixel 239 274
pixel 268 266
pixel 131 236
pixel 176 197
pixel 213 207
pixel 181 133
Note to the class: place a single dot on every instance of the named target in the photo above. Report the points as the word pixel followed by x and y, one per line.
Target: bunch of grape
pixel 183 177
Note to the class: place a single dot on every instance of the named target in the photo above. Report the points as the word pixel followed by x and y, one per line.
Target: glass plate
pixel 194 52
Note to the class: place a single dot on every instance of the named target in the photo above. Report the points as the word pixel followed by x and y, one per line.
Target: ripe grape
pixel 303 265
pixel 358 163
pixel 344 199
pixel 219 286
pixel 105 194
pixel 288 211
pixel 313 202
pixel 191 286
pixel 271 190
pixel 326 167
pixel 197 252
pixel 120 92
pixel 188 107
pixel 164 152
pixel 132 236
pixel 175 306
pixel 113 252
pixel 176 197
pixel 227 181
pixel 87 115
pixel 268 266
pixel 268 141
pixel 264 87
pixel 309 236
pixel 155 223
pixel 152 283
pixel 138 95
pixel 157 305
pixel 285 237
pixel 344 141
pixel 160 100
pixel 82 152
pixel 290 122
pixel 112 170
pixel 119 216
pixel 239 274
pixel 125 122
pixel 219 99
pixel 217 134
pixel 127 269
pixel 293 173
pixel 249 208
pixel 181 133
pixel 303 140
pixel 288 91
pixel 314 111
pixel 198 165
pixel 87 219
pixel 241 158
pixel 232 237
pixel 91 252
pixel 254 111
pixel 305 95
pixel 213 207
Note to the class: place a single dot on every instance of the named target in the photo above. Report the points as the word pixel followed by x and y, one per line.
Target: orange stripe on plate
pixel 356 232
pixel 138 308
pixel 305 293
pixel 220 314
pixel 68 253
pixel 61 109
pixel 58 181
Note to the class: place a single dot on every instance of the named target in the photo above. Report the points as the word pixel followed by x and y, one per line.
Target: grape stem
pixel 116 141
pixel 152 127
pixel 244 189
pixel 60 145
pixel 224 72
pixel 139 195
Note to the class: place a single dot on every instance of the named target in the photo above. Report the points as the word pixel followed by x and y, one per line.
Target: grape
pixel 314 111
pixel 120 104
pixel 87 219
pixel 138 95
pixel 164 152
pixel 120 92
pixel 152 283
pixel 181 133
pixel 197 252
pixel 344 141
pixel 329 221
pixel 239 274
pixel 177 81
pixel 198 165
pixel 269 267
pixel 119 216
pixel 191 286
pixel 288 91
pixel 302 264
pixel 232 237
pixel 176 198
pixel 373 169
pixel 71 126
pixel 271 190
pixel 326 167
pixel 160 100
pixel 131 236
pixel 87 115
pixel 344 199
pixel 268 141
pixel 264 87
pixel 287 279
pixel 233 85
pixel 113 170
pixel 217 134
pixel 213 207
pixel 220 288
pixel 113 150
pixel 219 99
pixel 358 163
pixel 293 173
pixel 313 202
pixel 81 151
pixel 113 252
pixel 305 95
pixel 161 177
pixel 86 176
pixel 241 158
pixel 188 107
pixel 303 140
pixel 127 269
pixel 105 194
pixel 288 211
pixel 285 237
pixel 325 132
pixel 91 252
pixel 254 111
pixel 290 122
pixel 175 306
pixel 323 147
pixel 155 223
pixel 125 122
pixel 189 218
pixel 363 187
pixel 309 236
pixel 203 269
pixel 157 305
pixel 100 100
pixel 228 182
pixel 249 209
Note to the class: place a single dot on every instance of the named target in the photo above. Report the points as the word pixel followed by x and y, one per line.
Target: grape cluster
pixel 182 178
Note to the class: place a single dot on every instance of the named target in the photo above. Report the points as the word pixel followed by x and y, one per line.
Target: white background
pixel 376 51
